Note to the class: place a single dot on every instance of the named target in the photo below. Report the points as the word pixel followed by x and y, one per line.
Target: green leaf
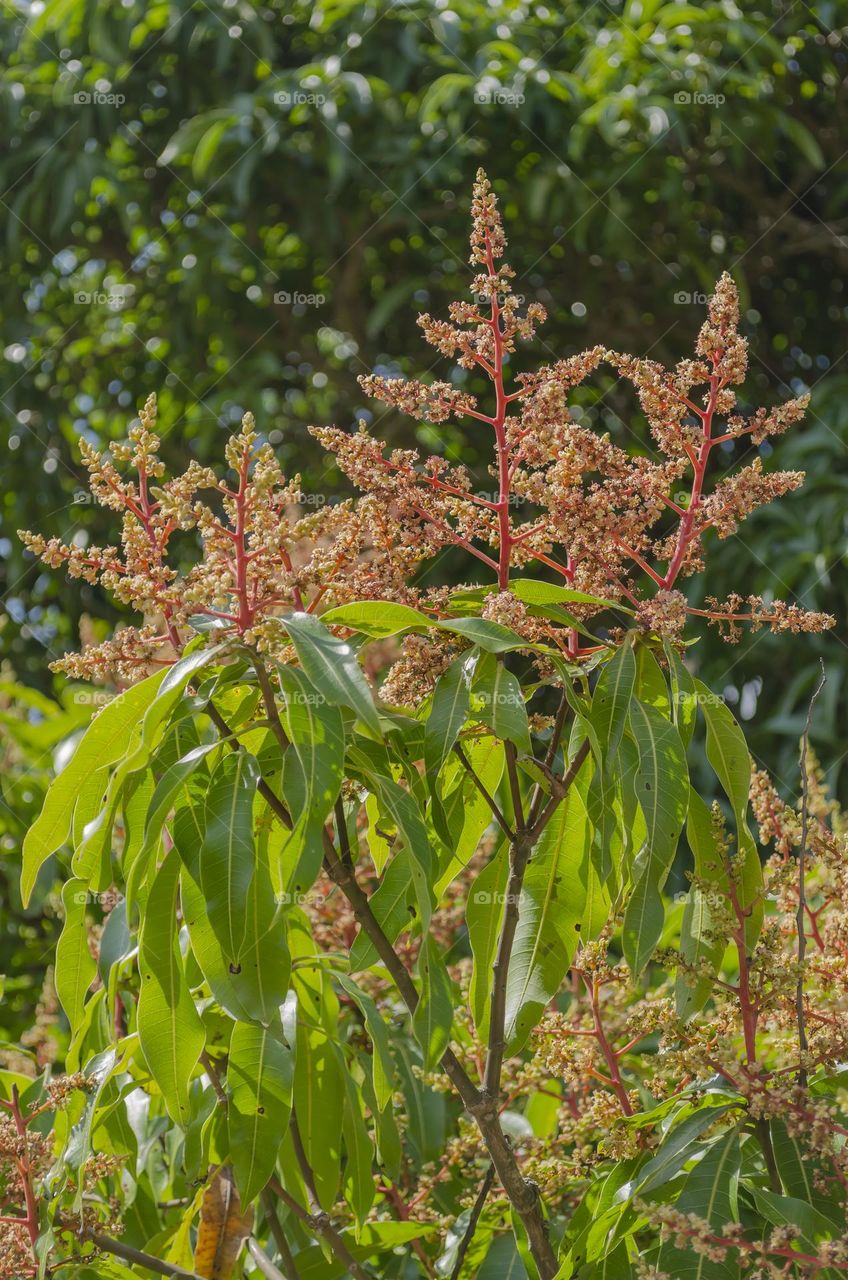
pixel 377 619
pixel 260 1077
pixel 78 1146
pixel 497 700
pixel 169 1028
pixel 75 965
pixel 797 1170
pixel 382 1066
pixel 680 1144
pixel 700 921
pixel 393 905
pixel 448 711
pixel 466 812
pixel 317 734
pixel 331 666
pixel 489 636
pixel 407 817
pixel 433 1016
pixel 483 916
pixel 93 850
pixel 503 1261
pixel 651 687
pixel 534 591
pixel 787 1211
pixel 167 789
pixel 608 717
pixel 319 1107
pixel 684 696
pixel 228 862
pixel 612 697
pixel 206 148
pixel 661 785
pixel 550 915
pixel 359 1189
pixel 709 1193
pixel 727 752
pixel 104 742
pixel 254 987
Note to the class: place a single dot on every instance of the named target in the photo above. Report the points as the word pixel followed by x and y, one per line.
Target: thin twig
pixel 465 1242
pixel 212 1072
pixel 550 756
pixel 286 1256
pixel 485 793
pixel 320 1224
pixel 262 1260
pixel 138 1258
pixel 514 785
pixel 560 788
pixel 802 894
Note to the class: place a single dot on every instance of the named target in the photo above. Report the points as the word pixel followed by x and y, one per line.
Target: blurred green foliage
pixel 172 167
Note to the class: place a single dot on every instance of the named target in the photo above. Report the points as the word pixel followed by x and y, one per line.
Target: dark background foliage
pixel 244 205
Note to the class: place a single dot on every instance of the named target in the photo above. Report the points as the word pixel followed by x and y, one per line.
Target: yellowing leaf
pixel 223 1227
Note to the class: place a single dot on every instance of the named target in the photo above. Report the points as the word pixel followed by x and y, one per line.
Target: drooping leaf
pixel 254 986
pixel 382 1067
pixel 319 1107
pixel 447 713
pixel 92 852
pixel 169 1027
pixel 433 1015
pixel 316 729
pixel 77 1149
pixel 404 811
pixel 222 1229
pixel 377 619
pixel 487 635
pixel 700 939
pixel 684 695
pixel 228 862
pixel 331 666
pixel 466 812
pixel 260 1077
pixel 550 915
pixel 103 743
pixel 497 700
pixel 483 916
pixel 709 1193
pixel 394 906
pixel 359 1189
pixel 612 697
pixel 661 785
pixel 608 717
pixel 75 964
pixel 728 754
